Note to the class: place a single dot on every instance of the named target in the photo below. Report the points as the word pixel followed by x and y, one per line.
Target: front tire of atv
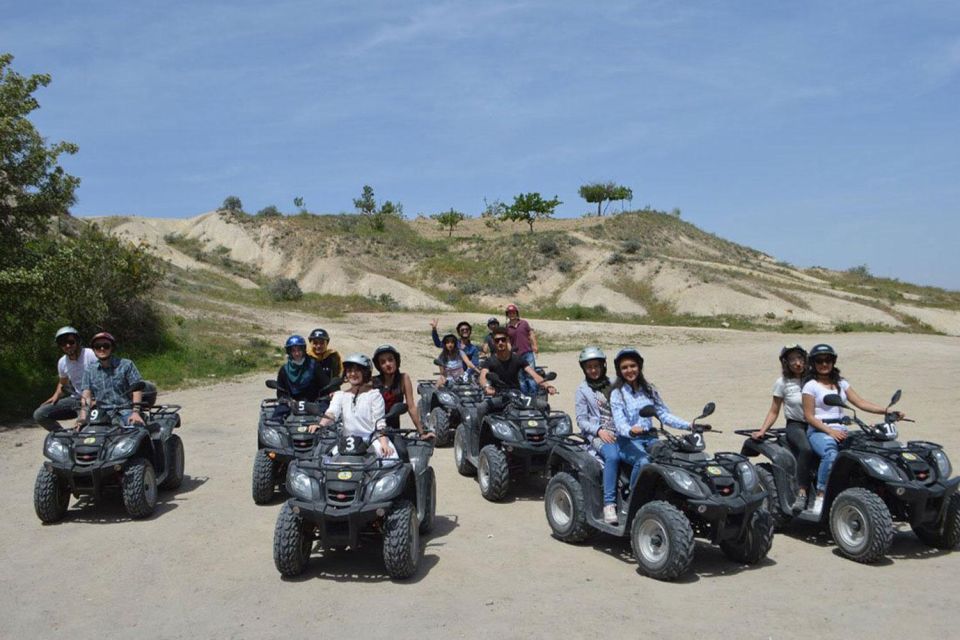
pixel 861 526
pixel 439 419
pixel 493 473
pixel 566 511
pixel 291 543
pixel 430 509
pixel 772 501
pixel 51 497
pixel 175 460
pixel 460 452
pixel 139 488
pixel 264 477
pixel 754 545
pixel 947 534
pixel 401 541
pixel 662 540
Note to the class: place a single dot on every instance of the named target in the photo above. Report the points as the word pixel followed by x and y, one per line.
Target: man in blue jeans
pixel 524 342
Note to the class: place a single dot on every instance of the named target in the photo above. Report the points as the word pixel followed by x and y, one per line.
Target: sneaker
pixel 800 503
pixel 817 506
pixel 610 514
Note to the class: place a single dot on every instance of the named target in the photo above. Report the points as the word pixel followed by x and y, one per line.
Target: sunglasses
pixel 68 343
pixel 499 339
pixel 102 346
pixel 823 361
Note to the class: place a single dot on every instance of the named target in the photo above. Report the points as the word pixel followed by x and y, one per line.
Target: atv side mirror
pixel 895 399
pixel 438 362
pixel 550 376
pixel 139 385
pixel 312 409
pixel 708 409
pixel 331 386
pixel 648 411
pixel 396 410
pixel 834 400
pixel 493 378
pixel 271 384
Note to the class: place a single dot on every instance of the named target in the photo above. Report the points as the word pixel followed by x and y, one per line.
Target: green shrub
pixel 284 290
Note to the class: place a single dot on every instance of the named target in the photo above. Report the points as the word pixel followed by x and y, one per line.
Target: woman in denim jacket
pixel 595 419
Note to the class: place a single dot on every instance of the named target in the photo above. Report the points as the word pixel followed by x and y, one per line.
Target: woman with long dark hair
pixel 395 386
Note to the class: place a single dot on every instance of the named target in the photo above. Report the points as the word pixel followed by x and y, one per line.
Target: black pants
pixel 797 437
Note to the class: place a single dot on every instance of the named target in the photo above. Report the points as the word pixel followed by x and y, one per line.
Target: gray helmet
pixel 66 331
pixel 358 359
pixel 592 353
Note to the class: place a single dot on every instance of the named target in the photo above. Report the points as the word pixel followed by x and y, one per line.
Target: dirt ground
pixel 202 565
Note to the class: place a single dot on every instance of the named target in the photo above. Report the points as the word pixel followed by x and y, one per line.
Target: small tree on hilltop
pixel 530 207
pixel 232 204
pixel 366 203
pixel 448 220
pixel 600 192
pixel 269 211
pixel 298 203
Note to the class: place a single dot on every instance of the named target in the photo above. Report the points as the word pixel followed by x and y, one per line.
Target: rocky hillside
pixel 644 266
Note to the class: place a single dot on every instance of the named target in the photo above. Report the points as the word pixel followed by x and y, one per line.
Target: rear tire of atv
pixel 944 536
pixel 772 501
pixel 264 477
pixel 662 541
pixel 401 541
pixel 493 473
pixel 754 545
pixel 176 460
pixel 861 526
pixel 566 511
pixel 430 509
pixel 51 496
pixel 439 419
pixel 139 488
pixel 460 452
pixel 291 543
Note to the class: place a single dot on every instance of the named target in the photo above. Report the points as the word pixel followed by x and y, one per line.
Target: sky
pixel 822 132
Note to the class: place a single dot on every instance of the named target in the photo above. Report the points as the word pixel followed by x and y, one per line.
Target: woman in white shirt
pixel 786 394
pixel 361 407
pixel 825 429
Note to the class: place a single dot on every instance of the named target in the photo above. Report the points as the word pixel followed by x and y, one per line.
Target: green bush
pixel 284 290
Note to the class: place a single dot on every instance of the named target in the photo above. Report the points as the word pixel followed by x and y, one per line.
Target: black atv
pixel 515 437
pixel 353 496
pixel 875 480
pixel 443 408
pixel 284 439
pixel 105 455
pixel 681 493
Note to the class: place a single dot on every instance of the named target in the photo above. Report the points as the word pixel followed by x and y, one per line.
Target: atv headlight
pixel 748 477
pixel 123 448
pixel 943 463
pixel 686 482
pixel 503 430
pixel 384 487
pixel 271 437
pixel 56 450
pixel 563 427
pixel 881 467
pixel 299 484
pixel 446 397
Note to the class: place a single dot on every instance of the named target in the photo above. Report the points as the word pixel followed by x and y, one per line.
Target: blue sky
pixel 820 132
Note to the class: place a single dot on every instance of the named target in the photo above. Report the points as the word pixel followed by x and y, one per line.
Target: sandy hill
pixel 647 265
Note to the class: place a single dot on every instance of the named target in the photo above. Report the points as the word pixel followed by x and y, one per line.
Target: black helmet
pixel 464 323
pixel 822 350
pixel 319 334
pixel 449 336
pixel 629 353
pixel 385 348
pixel 788 349
pixel 492 320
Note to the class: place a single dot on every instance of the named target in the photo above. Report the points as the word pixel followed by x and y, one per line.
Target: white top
pixel 818 391
pixel 362 414
pixel 788 390
pixel 72 370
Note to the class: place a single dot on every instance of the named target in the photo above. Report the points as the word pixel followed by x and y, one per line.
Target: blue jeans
pixel 527 384
pixel 825 447
pixel 634 451
pixel 610 453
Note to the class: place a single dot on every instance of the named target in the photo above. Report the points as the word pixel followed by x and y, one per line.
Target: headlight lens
pixel 881 467
pixel 271 437
pixel 385 486
pixel 503 430
pixel 944 469
pixel 748 477
pixel 686 482
pixel 446 396
pixel 563 427
pixel 56 450
pixel 299 484
pixel 123 448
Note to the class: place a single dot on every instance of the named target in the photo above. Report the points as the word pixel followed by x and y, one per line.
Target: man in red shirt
pixel 524 342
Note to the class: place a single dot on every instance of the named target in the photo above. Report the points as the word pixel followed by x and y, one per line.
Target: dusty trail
pixel 202 566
